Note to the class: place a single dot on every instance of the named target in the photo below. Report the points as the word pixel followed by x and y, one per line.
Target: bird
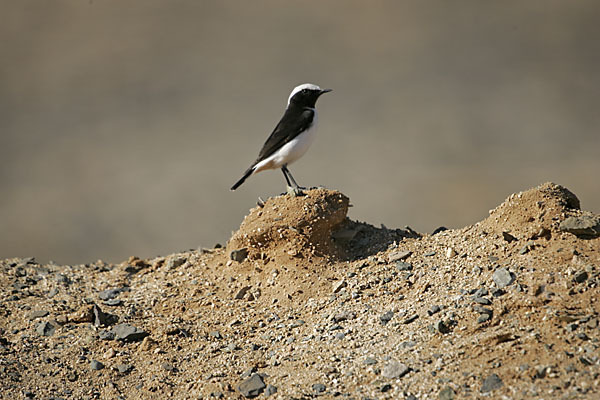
pixel 291 137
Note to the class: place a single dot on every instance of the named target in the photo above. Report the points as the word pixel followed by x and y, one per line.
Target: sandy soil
pixel 303 302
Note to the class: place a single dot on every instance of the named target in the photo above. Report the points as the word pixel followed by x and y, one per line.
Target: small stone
pixel 483 318
pixel 508 237
pixel 450 252
pixel 101 318
pixel 491 383
pixel 482 300
pixel 434 310
pixel 128 333
pixel 385 388
pixel 343 316
pixel 318 388
pixel 38 314
pixel 45 329
pixel 270 390
pixel 398 256
pixel 585 226
pixel 124 368
pixel 239 255
pixel 175 262
pixel 410 319
pixel 370 361
pixel 502 277
pixel 394 369
pixel 340 335
pixel 338 286
pixel 109 294
pixel 113 302
pixel 386 317
pixel 404 266
pixel 441 327
pixel 528 246
pixel 581 277
pixel 447 393
pixel 106 335
pixel 430 254
pixel 242 292
pixel 96 365
pixel 215 334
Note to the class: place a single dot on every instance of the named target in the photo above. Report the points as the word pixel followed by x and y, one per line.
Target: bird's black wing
pixel 294 122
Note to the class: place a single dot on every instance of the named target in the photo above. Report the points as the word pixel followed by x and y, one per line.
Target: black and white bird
pixel 292 136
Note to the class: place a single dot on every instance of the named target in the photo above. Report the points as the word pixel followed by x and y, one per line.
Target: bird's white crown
pixel 298 88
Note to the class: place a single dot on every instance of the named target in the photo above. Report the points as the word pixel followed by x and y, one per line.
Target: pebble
pixel 441 327
pixel 113 302
pixel 399 255
pixel 38 314
pixel 482 300
pixel 110 294
pixel 128 333
pixel 242 292
pixel 394 369
pixel 447 393
pixel 338 286
pixel 45 329
pixel 492 382
pixel 404 266
pixel 252 386
pixel 386 388
pixel 585 225
pixel 340 335
pixel 502 277
pixel 96 365
pixel 318 388
pixel 581 277
pixel 410 319
pixel 386 317
pixel 106 335
pixel 270 390
pixel 124 368
pixel 175 262
pixel 434 310
pixel 370 361
pixel 239 255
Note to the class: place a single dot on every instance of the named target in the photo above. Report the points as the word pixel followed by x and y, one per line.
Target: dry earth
pixel 305 303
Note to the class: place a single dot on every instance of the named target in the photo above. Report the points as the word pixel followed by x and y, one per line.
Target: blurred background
pixel 123 123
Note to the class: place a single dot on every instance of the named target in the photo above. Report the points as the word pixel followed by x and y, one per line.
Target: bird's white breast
pixel 291 151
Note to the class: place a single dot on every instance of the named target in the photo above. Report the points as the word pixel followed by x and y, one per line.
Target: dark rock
pixel 128 333
pixel 252 386
pixel 438 230
pixel 103 319
pixel 45 329
pixel 491 383
pixel 38 314
pixel 410 319
pixel 239 255
pixel 386 317
pixel 446 393
pixel 581 277
pixel 584 226
pixel 508 237
pixel 386 388
pixel 72 376
pixel 394 369
pixel 96 365
pixel 502 277
pixel 441 327
pixel 318 388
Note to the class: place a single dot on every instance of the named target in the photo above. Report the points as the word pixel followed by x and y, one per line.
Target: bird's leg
pixel 292 188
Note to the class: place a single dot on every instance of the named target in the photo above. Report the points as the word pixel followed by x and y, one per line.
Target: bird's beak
pixel 326 91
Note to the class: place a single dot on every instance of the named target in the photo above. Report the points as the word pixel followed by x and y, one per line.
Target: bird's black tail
pixel 248 172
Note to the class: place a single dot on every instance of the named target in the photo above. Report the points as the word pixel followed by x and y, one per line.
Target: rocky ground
pixel 304 303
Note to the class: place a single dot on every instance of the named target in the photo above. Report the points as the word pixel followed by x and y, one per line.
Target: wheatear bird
pixel 291 137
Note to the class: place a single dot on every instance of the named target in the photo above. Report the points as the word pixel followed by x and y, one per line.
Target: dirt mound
pixel 532 213
pixel 306 303
pixel 300 226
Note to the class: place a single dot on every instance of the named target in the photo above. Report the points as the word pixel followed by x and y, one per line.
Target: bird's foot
pixel 295 191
